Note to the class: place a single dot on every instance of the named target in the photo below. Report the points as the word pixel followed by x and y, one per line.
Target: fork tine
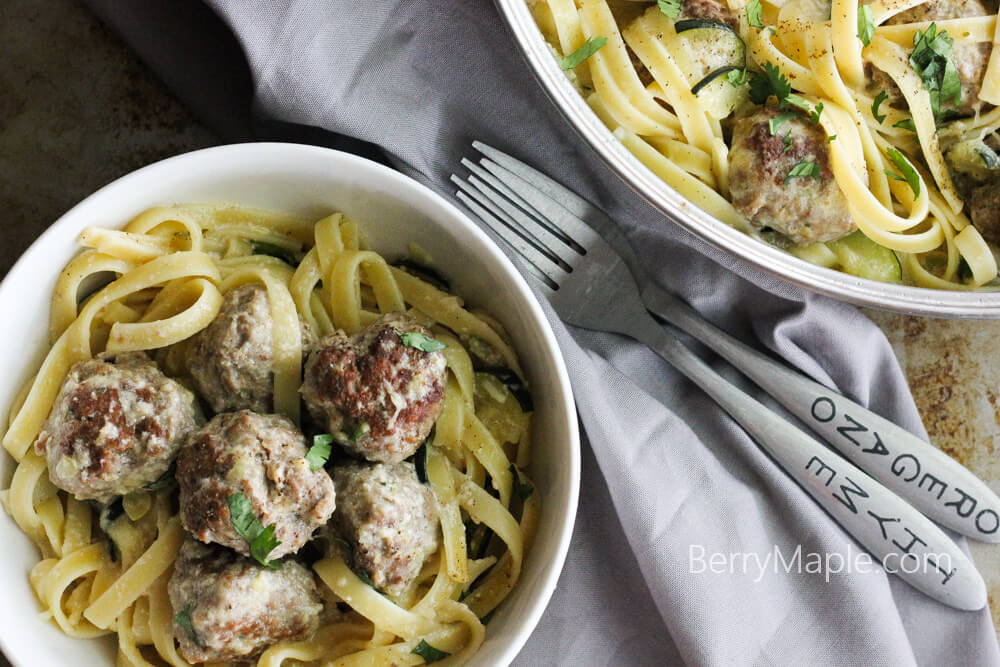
pixel 494 204
pixel 552 189
pixel 526 226
pixel 532 212
pixel 547 207
pixel 509 239
pixel 525 246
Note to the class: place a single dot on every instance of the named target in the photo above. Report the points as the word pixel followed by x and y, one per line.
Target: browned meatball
pixel 969 59
pixel 389 519
pixel 807 209
pixel 115 426
pixel 984 209
pixel 377 396
pixel 712 10
pixel 230 360
pixel 229 608
pixel 262 457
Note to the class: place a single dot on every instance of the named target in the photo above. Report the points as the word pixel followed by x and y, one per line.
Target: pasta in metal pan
pixel 858 136
pixel 139 303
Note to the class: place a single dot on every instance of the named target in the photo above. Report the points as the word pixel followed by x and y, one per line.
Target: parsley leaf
pixel 931 60
pixel 428 652
pixel 589 48
pixel 669 8
pixel 910 176
pixel 522 489
pixel 780 87
pixel 876 103
pixel 261 540
pixel 814 114
pixel 906 124
pixel 420 341
pixel 832 137
pixel 319 453
pixel 737 77
pixel 183 619
pixel 796 101
pixel 788 143
pixel 866 24
pixel 755 14
pixel 804 169
pixel 284 254
pixel 777 121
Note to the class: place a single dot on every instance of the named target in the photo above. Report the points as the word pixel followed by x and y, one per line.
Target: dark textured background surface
pixel 78 110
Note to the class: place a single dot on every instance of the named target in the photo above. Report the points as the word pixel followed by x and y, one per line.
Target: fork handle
pixel 933 482
pixel 893 531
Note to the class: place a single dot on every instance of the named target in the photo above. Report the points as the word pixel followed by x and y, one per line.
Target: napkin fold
pixel 669 480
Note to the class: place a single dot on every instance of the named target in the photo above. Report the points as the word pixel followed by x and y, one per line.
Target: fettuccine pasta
pixel 105 567
pixel 861 137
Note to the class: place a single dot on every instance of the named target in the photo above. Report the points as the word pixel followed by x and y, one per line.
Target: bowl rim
pixel 676 208
pixel 446 213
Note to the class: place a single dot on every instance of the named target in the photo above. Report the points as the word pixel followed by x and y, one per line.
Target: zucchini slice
pixel 710 49
pixel 862 257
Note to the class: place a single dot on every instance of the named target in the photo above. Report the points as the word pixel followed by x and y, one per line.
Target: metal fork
pixel 591 286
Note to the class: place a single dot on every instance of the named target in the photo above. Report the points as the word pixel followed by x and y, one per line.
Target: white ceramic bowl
pixel 394 210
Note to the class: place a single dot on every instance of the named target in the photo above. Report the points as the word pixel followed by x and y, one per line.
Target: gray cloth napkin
pixel 668 478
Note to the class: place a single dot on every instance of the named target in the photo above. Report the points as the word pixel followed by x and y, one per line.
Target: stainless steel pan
pixel 915 300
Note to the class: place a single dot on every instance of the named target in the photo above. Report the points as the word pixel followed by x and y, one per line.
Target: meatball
pixel 389 519
pixel 378 396
pixel 806 209
pixel 115 426
pixel 984 210
pixel 262 457
pixel 230 360
pixel 712 10
pixel 229 608
pixel 970 60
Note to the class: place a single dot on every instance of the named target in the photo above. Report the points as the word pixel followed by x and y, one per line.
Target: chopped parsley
pixel 876 103
pixel 737 77
pixel 755 14
pixel 832 137
pixel 589 48
pixel 284 254
pixel 261 540
pixel 183 619
pixel 910 176
pixel 866 24
pixel 669 8
pixel 522 489
pixel 804 169
pixel 319 453
pixel 773 82
pixel 906 124
pixel 419 341
pixel 931 60
pixel 787 143
pixel 814 114
pixel 428 652
pixel 777 121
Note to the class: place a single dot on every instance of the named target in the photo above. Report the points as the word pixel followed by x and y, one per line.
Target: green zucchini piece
pixel 712 76
pixel 862 257
pixel 710 49
pixel 694 24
